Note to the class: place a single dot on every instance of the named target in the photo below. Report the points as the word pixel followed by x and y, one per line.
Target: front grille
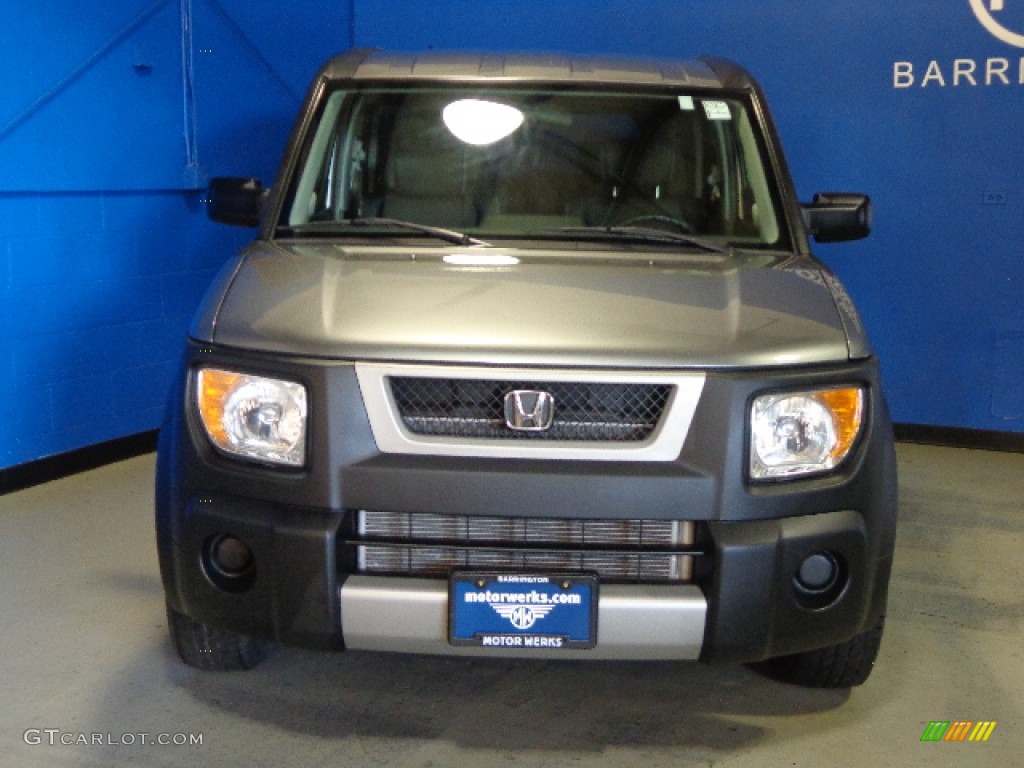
pixel 431 545
pixel 583 411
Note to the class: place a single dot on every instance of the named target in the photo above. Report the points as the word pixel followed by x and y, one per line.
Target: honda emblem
pixel 529 410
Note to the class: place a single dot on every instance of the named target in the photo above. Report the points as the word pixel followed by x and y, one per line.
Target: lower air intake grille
pixel 431 545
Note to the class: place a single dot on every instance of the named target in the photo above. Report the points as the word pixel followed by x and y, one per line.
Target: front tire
pixel 836 666
pixel 205 647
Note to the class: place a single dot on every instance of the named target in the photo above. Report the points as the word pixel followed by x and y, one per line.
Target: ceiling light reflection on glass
pixel 480 122
pixel 480 260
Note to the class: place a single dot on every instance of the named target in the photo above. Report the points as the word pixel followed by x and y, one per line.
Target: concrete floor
pixel 86 656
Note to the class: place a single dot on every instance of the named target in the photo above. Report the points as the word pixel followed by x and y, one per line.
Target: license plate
pixel 510 610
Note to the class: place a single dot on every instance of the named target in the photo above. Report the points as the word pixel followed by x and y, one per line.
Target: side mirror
pixel 235 201
pixel 834 217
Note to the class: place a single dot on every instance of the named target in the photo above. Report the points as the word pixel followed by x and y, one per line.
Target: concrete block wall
pixel 112 117
pixel 99 288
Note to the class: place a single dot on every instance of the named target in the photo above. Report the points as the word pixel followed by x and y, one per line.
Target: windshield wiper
pixel 331 227
pixel 643 235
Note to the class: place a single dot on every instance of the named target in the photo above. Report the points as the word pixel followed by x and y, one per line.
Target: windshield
pixel 545 162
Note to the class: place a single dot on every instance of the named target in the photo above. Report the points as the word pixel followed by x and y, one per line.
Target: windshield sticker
pixel 717 110
pixel 686 103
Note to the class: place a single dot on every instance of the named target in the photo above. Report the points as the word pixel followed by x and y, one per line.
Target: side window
pixel 755 210
pixel 720 183
pixel 735 198
pixel 315 189
pixel 361 160
pixel 323 202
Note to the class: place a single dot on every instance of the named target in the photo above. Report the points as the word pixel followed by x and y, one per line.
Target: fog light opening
pixel 819 581
pixel 229 563
pixel 231 555
pixel 818 572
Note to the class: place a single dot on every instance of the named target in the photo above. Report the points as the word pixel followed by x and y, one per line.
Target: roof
pixel 371 64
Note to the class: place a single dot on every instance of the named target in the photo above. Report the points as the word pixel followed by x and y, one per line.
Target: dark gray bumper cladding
pixel 743 604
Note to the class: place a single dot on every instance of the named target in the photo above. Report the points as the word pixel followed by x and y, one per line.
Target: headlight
pixel 803 433
pixel 253 416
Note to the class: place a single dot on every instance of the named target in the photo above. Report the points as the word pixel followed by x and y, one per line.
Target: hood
pixel 590 308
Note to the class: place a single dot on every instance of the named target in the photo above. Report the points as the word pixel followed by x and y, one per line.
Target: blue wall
pixel 940 281
pixel 113 115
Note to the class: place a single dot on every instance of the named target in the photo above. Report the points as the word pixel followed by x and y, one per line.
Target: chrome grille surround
pixel 638 416
pixel 431 545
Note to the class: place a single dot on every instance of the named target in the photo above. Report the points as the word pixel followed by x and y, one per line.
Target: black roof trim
pixel 375 64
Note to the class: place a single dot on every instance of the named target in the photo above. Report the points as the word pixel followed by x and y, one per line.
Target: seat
pixel 431 178
pixel 665 180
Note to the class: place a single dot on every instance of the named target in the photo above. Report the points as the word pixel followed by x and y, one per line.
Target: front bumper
pixel 742 604
pixel 634 621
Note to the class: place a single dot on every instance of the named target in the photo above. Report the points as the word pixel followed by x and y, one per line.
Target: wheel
pixel 204 647
pixel 680 224
pixel 836 666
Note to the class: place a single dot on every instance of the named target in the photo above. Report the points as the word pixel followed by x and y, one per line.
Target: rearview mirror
pixel 834 217
pixel 235 201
